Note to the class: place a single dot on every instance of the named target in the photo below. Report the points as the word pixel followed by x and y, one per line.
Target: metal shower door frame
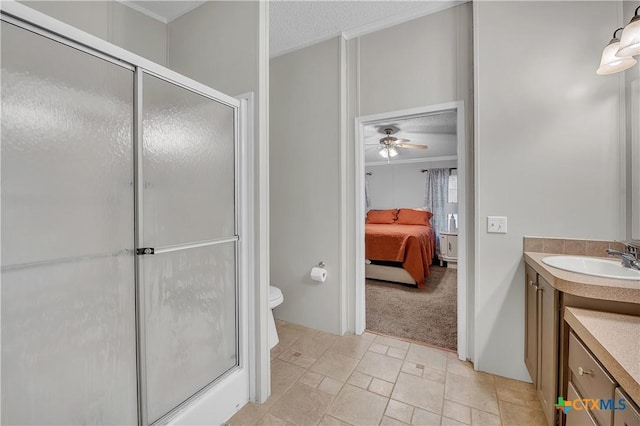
pixel 31 20
pixel 138 149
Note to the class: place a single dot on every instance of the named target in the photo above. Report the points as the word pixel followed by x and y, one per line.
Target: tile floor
pixel 321 379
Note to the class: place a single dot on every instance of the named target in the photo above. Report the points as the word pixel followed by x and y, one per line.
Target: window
pixel 453 186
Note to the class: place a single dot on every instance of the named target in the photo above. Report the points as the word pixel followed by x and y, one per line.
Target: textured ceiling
pixel 437 131
pixel 296 24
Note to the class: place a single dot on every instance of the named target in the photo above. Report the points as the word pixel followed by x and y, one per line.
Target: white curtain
pixel 367 200
pixel 435 197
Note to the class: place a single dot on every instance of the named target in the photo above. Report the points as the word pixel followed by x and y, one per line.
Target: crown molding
pixel 413 160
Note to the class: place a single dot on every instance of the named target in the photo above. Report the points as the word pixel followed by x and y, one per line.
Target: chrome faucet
pixel 629 260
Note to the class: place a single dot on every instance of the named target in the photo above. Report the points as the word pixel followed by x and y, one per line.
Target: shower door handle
pixel 145 250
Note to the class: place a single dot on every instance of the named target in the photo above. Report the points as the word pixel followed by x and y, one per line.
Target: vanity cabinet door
pixel 548 343
pixel 630 416
pixel 531 324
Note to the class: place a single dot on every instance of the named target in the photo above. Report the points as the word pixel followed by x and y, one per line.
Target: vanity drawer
pixel 630 416
pixel 590 379
pixel 578 415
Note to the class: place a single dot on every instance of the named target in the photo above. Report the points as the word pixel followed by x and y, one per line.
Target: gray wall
pixel 393 186
pixel 113 22
pixel 631 75
pixel 217 44
pixel 548 151
pixel 306 152
pixel 305 183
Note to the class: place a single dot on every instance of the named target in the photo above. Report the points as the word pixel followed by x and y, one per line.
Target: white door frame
pixel 220 400
pixel 463 285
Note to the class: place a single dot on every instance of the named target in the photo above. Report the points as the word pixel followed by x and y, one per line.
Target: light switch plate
pixel 497 224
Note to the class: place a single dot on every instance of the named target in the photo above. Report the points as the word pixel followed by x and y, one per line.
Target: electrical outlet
pixel 497 224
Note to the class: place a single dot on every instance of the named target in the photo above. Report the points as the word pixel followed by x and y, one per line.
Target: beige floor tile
pixel 360 380
pixel 330 386
pixel 356 406
pixel 353 346
pixel 380 366
pixel 419 392
pixel 471 392
pixel 433 374
pixel 335 365
pixel 369 336
pixel 516 415
pixel 429 357
pixel 311 379
pixel 378 348
pixel 297 358
pixel 425 418
pixel 331 421
pixel 381 387
pixel 446 421
pixel 456 411
pixel 313 344
pixel 248 415
pixel 301 405
pixel 480 418
pixel 396 353
pixel 526 398
pixel 504 382
pixel 394 343
pixel 412 368
pixel 271 420
pixel 465 368
pixel 283 375
pixel 389 421
pixel 399 411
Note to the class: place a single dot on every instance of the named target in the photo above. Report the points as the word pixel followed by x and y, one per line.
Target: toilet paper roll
pixel 318 274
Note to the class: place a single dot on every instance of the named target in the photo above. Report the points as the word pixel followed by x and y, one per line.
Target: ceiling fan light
pixel 388 152
pixel 610 63
pixel 630 39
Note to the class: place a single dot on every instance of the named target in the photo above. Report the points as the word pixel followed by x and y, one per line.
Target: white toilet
pixel 275 299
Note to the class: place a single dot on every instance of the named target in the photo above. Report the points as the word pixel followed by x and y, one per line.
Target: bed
pixel 399 245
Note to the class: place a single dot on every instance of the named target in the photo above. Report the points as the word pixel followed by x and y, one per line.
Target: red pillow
pixel 414 217
pixel 382 216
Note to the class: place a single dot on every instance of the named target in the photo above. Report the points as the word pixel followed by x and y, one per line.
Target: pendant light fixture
pixel 388 152
pixel 611 62
pixel 630 39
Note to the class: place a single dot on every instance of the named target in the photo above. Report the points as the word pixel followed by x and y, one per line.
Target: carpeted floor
pixel 427 315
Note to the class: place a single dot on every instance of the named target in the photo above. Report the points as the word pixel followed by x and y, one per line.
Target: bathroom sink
pixel 592 266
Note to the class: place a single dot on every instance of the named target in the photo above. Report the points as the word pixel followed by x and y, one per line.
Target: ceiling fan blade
pixel 401 141
pixel 411 146
pixel 373 143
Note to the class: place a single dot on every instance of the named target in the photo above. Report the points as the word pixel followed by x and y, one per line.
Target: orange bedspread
pixel 413 245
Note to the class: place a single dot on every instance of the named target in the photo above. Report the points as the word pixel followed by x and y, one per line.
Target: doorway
pixel 381 122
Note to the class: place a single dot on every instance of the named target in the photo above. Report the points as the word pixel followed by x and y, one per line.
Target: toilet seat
pixel 275 296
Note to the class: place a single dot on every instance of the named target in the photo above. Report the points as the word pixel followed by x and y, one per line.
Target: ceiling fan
pixel 387 147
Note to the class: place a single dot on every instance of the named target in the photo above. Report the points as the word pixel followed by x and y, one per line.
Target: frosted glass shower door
pixel 68 289
pixel 188 216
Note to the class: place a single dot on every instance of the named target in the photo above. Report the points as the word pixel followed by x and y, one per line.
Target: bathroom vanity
pixel 582 337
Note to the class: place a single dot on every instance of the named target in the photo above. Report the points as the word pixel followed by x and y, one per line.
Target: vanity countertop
pixel 585 285
pixel 615 340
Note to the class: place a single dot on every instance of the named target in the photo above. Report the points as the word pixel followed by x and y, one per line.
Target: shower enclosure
pixel 120 261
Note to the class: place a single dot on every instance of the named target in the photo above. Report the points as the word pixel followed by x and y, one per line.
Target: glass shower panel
pixel 68 343
pixel 68 291
pixel 188 164
pixel 190 317
pixel 66 165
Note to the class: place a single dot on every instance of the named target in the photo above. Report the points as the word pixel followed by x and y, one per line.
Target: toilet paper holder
pixel 321 264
